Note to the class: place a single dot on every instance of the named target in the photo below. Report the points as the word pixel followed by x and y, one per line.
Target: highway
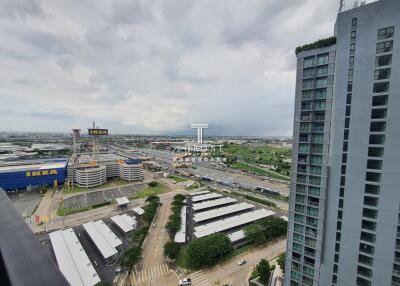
pixel 165 159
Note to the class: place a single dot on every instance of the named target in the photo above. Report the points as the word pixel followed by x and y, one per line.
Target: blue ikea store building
pixel 19 175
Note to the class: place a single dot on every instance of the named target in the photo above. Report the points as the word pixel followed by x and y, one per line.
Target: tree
pixel 104 283
pixel 172 249
pixel 281 261
pixel 265 230
pixel 264 270
pixel 255 234
pixel 209 250
pixel 131 257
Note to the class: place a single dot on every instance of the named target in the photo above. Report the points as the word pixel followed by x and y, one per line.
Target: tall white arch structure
pixel 199 127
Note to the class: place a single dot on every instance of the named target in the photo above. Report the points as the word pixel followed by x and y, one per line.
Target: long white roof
pixel 199 193
pixel 124 222
pixel 72 260
pixel 202 216
pixel 206 197
pixel 180 236
pixel 237 235
pixel 213 203
pixel 107 233
pixel 138 210
pixel 103 245
pixel 122 201
pixel 231 222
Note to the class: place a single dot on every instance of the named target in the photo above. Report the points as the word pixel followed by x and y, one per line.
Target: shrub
pixel 318 44
pixel 152 184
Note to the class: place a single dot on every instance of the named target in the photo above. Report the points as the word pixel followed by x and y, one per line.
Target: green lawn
pixel 177 179
pixel 159 189
pixel 259 171
pixel 111 183
pixel 67 211
pixel 257 154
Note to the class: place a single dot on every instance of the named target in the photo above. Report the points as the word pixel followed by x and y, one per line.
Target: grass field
pixel 259 171
pixel 257 154
pixel 108 184
pixel 177 179
pixel 159 189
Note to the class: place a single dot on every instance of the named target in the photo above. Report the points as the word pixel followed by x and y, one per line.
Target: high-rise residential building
pixel 344 218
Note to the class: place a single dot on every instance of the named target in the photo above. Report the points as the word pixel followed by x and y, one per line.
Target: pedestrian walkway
pixel 199 279
pixel 147 275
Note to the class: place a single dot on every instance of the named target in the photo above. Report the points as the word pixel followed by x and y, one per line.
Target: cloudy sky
pixel 154 67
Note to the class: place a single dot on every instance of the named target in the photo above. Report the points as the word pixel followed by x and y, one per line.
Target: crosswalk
pixel 147 275
pixel 199 279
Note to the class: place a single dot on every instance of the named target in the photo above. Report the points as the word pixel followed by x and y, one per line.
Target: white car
pixel 242 262
pixel 185 282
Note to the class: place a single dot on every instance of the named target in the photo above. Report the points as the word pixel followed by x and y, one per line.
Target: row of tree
pixel 265 230
pixel 134 254
pixel 209 250
pixel 175 220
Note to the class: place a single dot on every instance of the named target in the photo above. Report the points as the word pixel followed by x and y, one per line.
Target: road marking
pixel 146 275
pixel 199 279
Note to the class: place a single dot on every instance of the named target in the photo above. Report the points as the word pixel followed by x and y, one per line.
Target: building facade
pixel 344 207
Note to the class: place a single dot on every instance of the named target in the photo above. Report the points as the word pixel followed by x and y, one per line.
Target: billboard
pixel 97 132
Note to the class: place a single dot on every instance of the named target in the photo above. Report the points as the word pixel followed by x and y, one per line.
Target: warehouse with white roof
pixel 214 203
pixel 180 236
pixel 231 222
pixel 124 222
pixel 206 197
pixel 220 212
pixel 104 239
pixel 72 259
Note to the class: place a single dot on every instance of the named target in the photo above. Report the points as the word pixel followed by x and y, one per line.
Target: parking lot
pixel 191 224
pixel 106 272
pixel 25 201
pixel 98 197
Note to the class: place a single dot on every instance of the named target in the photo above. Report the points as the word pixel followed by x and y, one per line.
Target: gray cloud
pixel 155 66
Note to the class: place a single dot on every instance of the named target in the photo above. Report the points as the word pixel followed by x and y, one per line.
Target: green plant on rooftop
pixel 318 44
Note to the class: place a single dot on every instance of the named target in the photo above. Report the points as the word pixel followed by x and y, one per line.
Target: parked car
pixel 185 282
pixel 242 262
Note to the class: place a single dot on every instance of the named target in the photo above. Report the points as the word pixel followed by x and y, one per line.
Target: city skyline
pixel 140 68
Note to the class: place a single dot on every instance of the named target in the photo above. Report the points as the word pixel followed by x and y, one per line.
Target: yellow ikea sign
pixel 41 173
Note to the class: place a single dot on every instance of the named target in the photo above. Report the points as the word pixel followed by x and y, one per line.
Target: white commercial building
pixel 86 171
pixel 215 213
pixel 231 222
pixel 213 203
pixel 72 260
pixel 91 176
